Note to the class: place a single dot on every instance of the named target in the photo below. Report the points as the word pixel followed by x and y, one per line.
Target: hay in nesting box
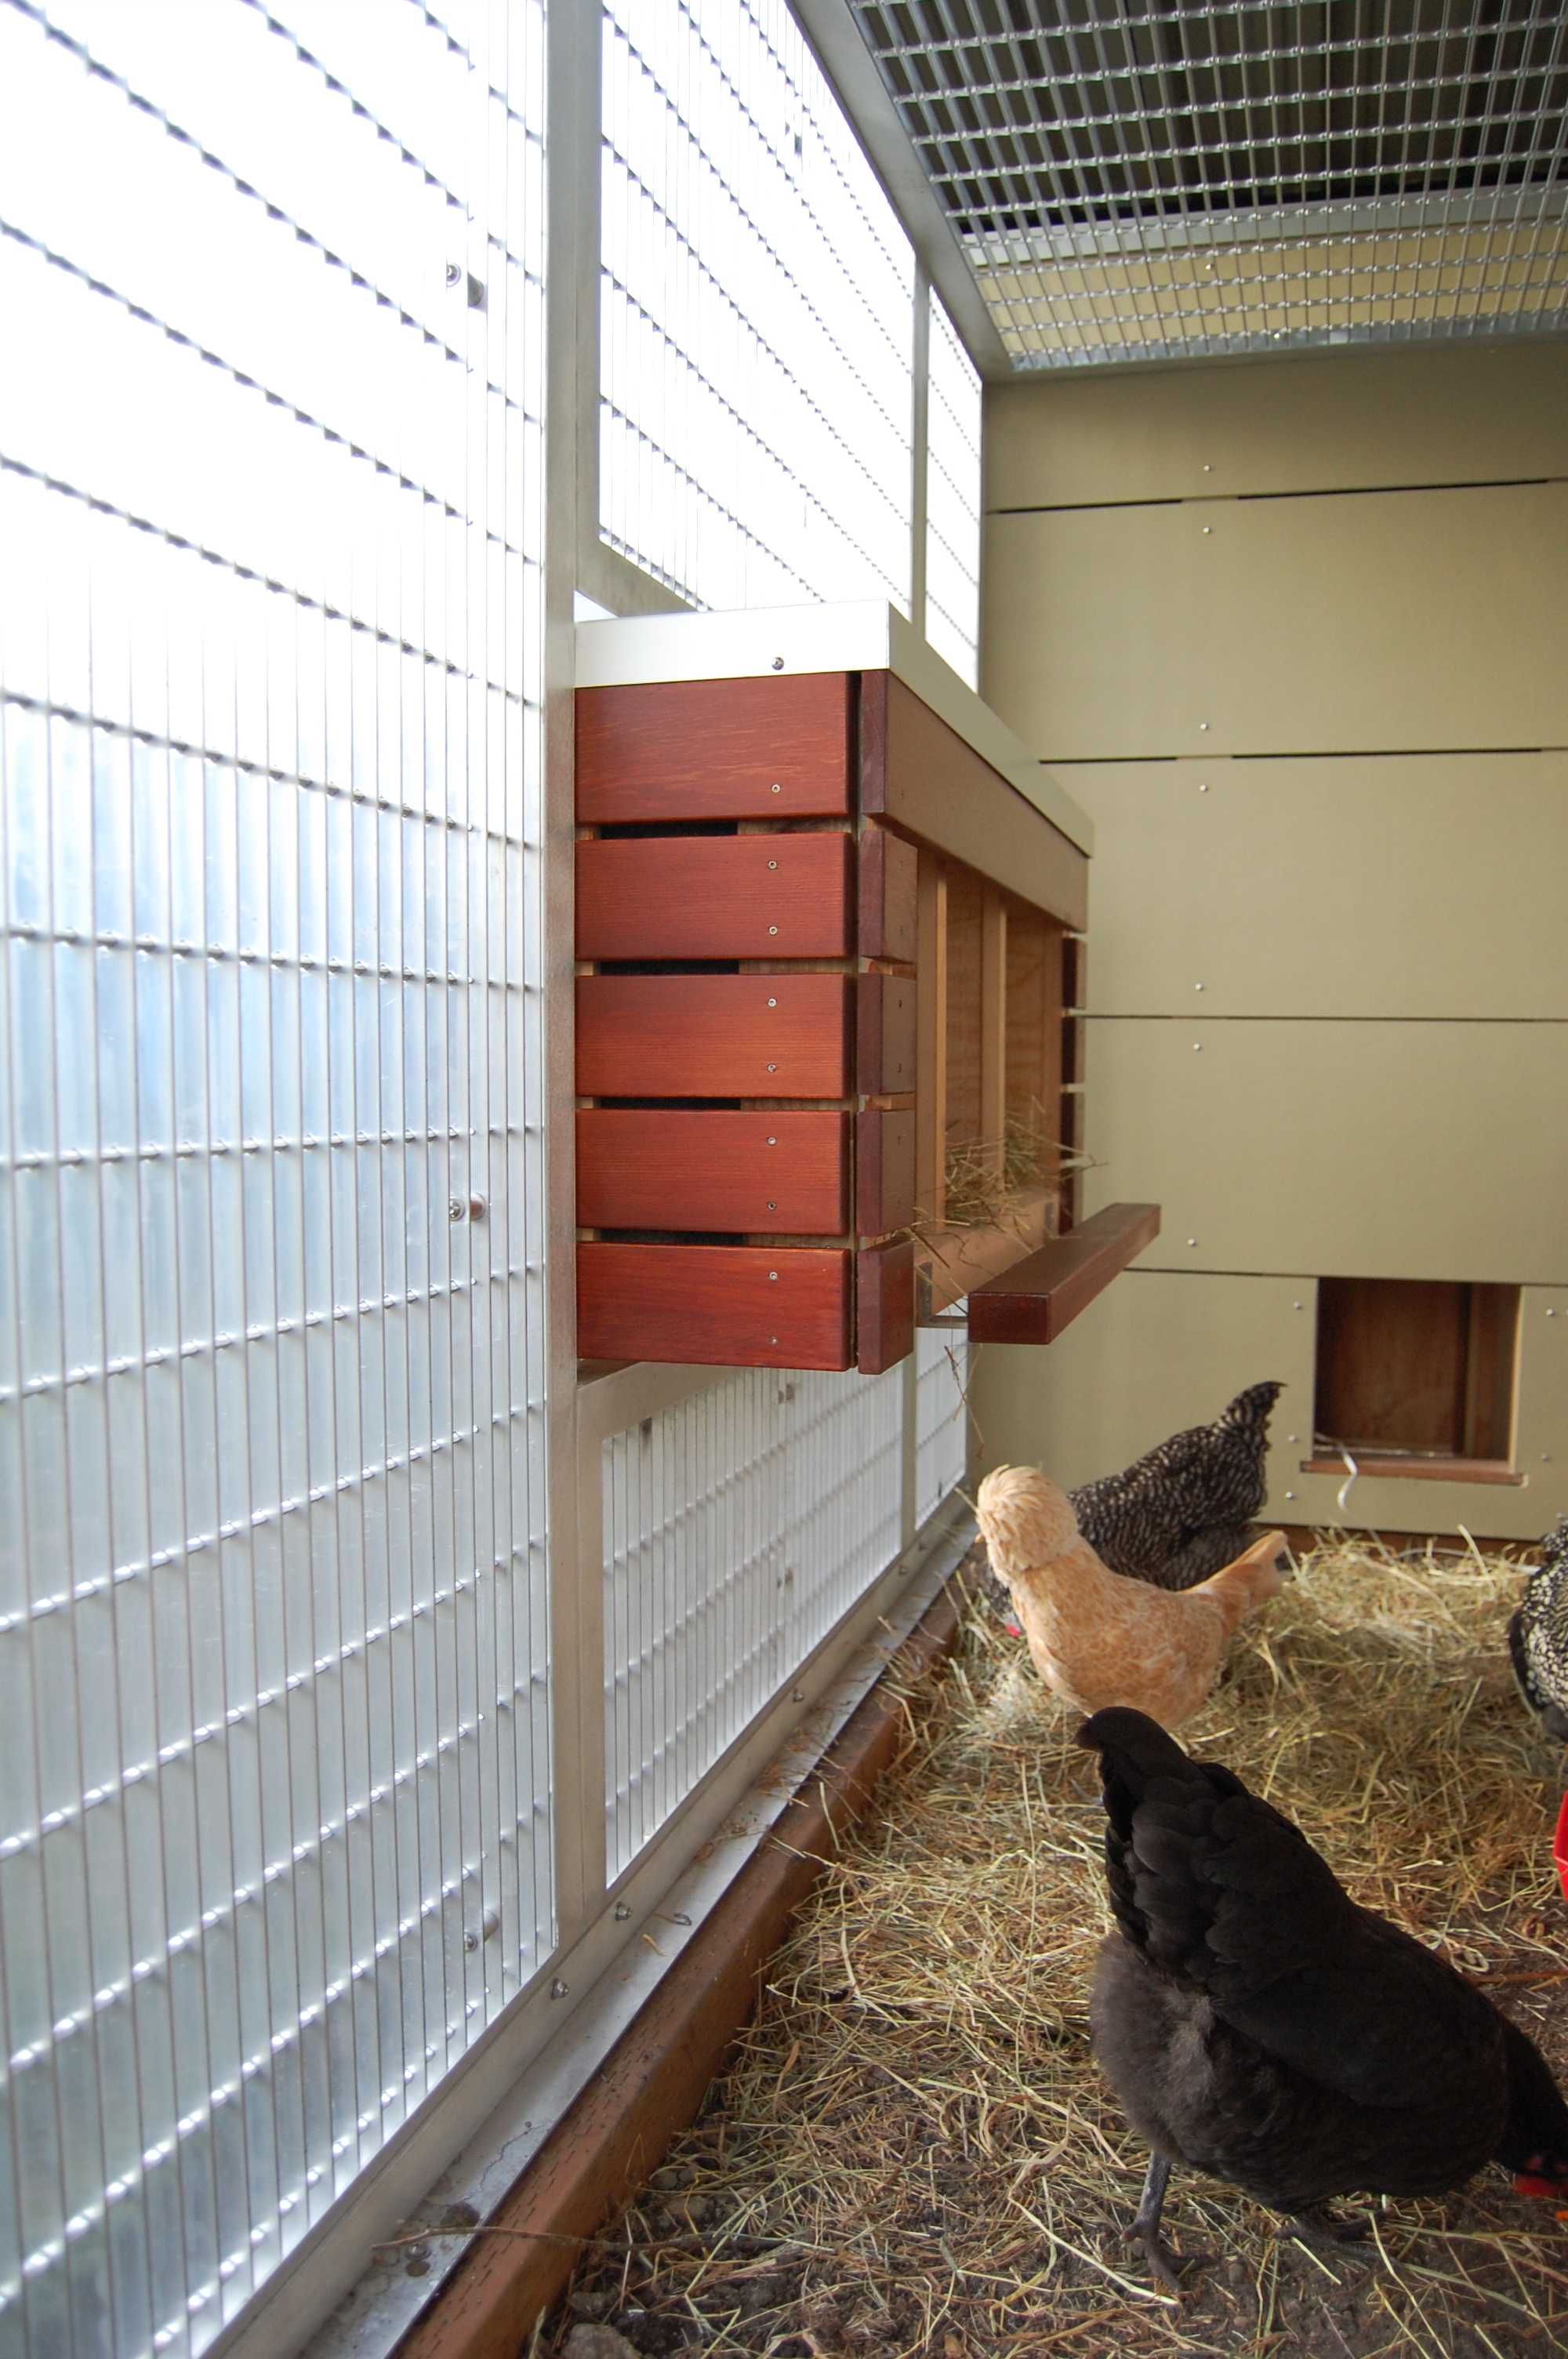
pixel 996 1182
pixel 913 2151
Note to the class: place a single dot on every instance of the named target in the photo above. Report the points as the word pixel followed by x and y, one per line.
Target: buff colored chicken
pixel 1096 1639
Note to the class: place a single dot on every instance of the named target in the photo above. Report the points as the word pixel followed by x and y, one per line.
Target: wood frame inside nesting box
pixel 989 978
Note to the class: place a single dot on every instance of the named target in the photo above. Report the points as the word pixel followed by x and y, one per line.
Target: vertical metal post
pixel 921 382
pixel 571 465
pixel 909 1503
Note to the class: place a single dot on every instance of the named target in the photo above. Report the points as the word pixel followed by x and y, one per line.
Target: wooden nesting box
pixel 826 947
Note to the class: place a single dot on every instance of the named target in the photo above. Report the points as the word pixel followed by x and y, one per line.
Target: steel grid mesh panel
pixel 953 498
pixel 272 1729
pixel 1134 182
pixel 739 1527
pixel 941 1418
pixel 757 317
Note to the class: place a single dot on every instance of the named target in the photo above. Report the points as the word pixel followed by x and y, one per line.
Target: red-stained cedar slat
pixel 656 1169
pixel 889 870
pixel 714 749
pixel 884 1172
pixel 714 897
pixel 721 1305
pixel 1033 1301
pixel 713 1036
pixel 918 771
pixel 884 1307
pixel 886 1034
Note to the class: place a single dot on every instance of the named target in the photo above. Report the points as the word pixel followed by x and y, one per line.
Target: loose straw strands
pixel 916 2109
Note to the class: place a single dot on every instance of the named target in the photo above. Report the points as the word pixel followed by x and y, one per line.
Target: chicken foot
pixel 1145 2228
pixel 1317 2227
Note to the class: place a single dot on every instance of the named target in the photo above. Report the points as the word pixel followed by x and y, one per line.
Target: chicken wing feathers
pixel 1259 2025
pixel 1228 1898
pixel 1182 1511
pixel 1538 1636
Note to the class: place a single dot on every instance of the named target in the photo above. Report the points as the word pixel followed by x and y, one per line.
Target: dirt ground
pixel 912 2151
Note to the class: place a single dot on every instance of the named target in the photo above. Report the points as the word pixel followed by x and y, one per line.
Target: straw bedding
pixel 914 2152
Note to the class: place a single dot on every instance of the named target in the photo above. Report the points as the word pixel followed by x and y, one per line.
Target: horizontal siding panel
pixel 1339 1148
pixel 1412 884
pixel 1385 621
pixel 1164 1349
pixel 1318 423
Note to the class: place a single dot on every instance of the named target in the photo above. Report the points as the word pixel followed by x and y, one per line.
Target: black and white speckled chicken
pixel 1538 1636
pixel 1181 1512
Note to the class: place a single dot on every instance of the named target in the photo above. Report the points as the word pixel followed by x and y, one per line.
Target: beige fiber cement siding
pixel 1374 627
pixel 1392 886
pixel 1363 622
pixel 1317 422
pixel 1103 1393
pixel 1158 1350
pixel 1344 1148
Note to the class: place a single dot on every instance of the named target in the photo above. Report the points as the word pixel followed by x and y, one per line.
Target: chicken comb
pixel 1559 1846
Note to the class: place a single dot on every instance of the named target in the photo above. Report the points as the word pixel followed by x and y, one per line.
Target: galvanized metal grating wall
pixel 953 499
pixel 941 1416
pixel 1144 183
pixel 273 1724
pixel 740 1528
pixel 757 326
pixel 275 1833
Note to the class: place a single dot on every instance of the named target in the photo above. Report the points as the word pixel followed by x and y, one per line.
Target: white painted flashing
pixel 867 635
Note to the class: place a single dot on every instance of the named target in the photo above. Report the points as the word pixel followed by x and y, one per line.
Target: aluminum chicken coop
pixel 381 381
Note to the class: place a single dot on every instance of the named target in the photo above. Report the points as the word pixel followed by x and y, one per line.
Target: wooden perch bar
pixel 1033 1301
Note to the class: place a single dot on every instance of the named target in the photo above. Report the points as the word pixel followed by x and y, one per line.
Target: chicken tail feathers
pixel 1240 1588
pixel 1251 1410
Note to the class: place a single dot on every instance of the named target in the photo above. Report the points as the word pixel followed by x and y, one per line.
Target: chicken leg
pixel 1145 2229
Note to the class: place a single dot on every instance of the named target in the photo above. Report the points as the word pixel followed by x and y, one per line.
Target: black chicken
pixel 1181 1512
pixel 1259 2026
pixel 1538 1636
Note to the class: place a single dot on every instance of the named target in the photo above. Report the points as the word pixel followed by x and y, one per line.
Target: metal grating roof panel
pixel 1136 180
